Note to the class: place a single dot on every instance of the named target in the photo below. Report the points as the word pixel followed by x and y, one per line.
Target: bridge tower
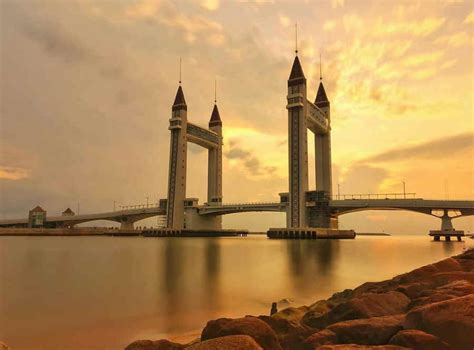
pixel 214 172
pixel 297 146
pixel 323 144
pixel 177 162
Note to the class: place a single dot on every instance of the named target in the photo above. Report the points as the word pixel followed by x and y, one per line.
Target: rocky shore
pixel 429 308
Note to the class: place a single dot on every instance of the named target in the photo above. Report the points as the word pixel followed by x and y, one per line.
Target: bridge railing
pixel 139 206
pixel 242 204
pixel 407 195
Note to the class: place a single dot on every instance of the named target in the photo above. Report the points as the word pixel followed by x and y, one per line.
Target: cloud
pixel 469 18
pixel 338 3
pixel 251 163
pixel 454 40
pixel 329 25
pixel 58 42
pixel 362 178
pixel 419 28
pixel 285 21
pixel 436 149
pixel 210 5
pixel 193 26
pixel 423 58
pixel 13 173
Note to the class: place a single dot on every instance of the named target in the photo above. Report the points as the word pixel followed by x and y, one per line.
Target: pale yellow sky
pixel 87 87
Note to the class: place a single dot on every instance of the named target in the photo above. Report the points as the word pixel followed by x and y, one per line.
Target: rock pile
pixel 431 307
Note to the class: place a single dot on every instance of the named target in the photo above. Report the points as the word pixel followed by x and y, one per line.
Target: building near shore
pixel 37 217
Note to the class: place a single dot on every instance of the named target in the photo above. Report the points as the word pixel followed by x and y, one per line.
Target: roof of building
pixel 38 208
pixel 321 97
pixel 179 99
pixel 68 211
pixel 215 117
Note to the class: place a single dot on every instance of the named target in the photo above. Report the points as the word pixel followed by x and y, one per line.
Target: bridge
pixel 446 210
pixel 304 208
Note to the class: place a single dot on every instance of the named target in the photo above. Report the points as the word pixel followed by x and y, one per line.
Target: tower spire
pixel 320 67
pixel 180 71
pixel 296 38
pixel 215 91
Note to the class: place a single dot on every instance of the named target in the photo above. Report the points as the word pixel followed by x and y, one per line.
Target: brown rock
pixel 362 306
pixel 4 346
pixel 419 340
pixel 291 335
pixel 154 345
pixel 443 278
pixel 450 320
pixel 249 325
pixel 370 331
pixel 292 313
pixel 326 336
pixel 425 272
pixel 468 254
pixel 230 342
pixel 360 347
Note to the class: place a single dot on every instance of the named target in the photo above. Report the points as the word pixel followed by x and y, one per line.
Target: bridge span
pixel 446 210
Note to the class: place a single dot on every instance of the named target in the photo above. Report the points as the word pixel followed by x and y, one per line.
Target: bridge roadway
pixel 337 207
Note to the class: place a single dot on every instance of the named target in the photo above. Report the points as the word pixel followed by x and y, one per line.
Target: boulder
pixel 294 314
pixel 360 347
pixel 370 331
pixel 154 345
pixel 468 254
pixel 290 334
pixel 450 320
pixel 4 346
pixel 425 272
pixel 419 340
pixel 365 305
pixel 263 334
pixel 443 278
pixel 230 342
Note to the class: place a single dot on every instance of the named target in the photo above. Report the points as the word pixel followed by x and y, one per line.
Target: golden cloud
pixel 13 173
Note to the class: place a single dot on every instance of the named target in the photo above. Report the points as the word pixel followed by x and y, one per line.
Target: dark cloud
pixel 57 42
pixel 439 148
pixel 250 162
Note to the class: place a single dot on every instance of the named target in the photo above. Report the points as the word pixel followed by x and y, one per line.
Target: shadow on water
pixel 311 261
pixel 183 277
pixel 448 247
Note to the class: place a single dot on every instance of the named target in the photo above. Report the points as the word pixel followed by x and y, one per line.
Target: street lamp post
pixel 404 191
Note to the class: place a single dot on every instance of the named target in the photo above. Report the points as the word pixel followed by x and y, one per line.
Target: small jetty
pixel 447 234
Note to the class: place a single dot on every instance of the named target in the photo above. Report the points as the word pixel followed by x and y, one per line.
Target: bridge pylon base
pixel 194 221
pixel 310 233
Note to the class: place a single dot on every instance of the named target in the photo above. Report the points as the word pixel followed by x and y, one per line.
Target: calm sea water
pixel 104 292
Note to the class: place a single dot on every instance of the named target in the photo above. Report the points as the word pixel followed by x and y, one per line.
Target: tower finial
pixel 180 71
pixel 215 91
pixel 296 38
pixel 320 67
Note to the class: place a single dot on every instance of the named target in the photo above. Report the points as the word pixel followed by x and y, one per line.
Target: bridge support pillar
pixel 127 224
pixel 446 223
pixel 194 221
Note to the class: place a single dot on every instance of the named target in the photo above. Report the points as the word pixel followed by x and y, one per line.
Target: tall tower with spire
pixel 297 146
pixel 323 142
pixel 177 162
pixel 214 175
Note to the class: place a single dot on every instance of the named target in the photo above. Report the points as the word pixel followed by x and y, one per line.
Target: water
pixel 104 292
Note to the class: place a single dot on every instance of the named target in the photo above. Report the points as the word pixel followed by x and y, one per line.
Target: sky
pixel 87 88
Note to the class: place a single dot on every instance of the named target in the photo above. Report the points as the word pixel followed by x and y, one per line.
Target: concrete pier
pixel 310 233
pixel 447 234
